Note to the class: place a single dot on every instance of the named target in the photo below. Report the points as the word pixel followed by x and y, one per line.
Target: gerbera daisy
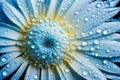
pixel 59 40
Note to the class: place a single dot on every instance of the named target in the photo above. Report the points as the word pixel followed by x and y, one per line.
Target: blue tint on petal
pixel 105 49
pixel 5 58
pixel 112 77
pixel 104 64
pixel 8 31
pixel 83 66
pixel 10 68
pixel 6 49
pixel 19 72
pixel 34 75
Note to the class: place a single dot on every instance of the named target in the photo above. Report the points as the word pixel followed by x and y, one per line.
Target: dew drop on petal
pixel 67 70
pixel 99 5
pixel 86 19
pixel 105 32
pixel 35 77
pixel 85 73
pixel 3 59
pixel 105 61
pixel 4 73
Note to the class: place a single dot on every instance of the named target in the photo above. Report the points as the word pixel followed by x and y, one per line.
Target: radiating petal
pixel 8 31
pixel 98 13
pixel 115 37
pixel 105 49
pixel 115 59
pixel 8 49
pixel 104 64
pixel 85 68
pixel 112 77
pixel 7 42
pixel 35 75
pixel 5 58
pixel 19 72
pixel 63 7
pixel 44 74
pixel 112 3
pixel 66 72
pixel 103 30
pixel 10 67
pixel 14 15
pixel 52 74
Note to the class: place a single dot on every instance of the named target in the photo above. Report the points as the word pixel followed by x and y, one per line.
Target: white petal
pixel 85 68
pixel 44 74
pixel 8 31
pixel 14 15
pixel 20 71
pixel 34 75
pixel 5 58
pixel 10 68
pixel 9 49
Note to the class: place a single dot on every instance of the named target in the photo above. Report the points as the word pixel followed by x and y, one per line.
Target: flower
pixel 59 39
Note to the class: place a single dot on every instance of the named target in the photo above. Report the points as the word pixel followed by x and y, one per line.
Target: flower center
pixel 46 43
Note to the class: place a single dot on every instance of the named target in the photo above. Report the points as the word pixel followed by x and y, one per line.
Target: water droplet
pixel 85 73
pixel 5 31
pixel 4 73
pixel 35 77
pixel 105 61
pixel 96 42
pixel 76 12
pixel 86 19
pixel 105 32
pixel 84 43
pixel 92 48
pixel 32 46
pixel 3 59
pixel 89 9
pixel 99 5
pixel 67 70
pixel 98 31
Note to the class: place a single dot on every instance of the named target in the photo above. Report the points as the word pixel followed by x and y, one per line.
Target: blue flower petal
pixel 52 74
pixel 5 58
pixel 7 49
pixel 98 13
pixel 10 68
pixel 3 17
pixel 115 59
pixel 101 31
pixel 7 42
pixel 20 71
pixel 14 15
pixel 44 74
pixel 8 31
pixel 34 75
pixel 85 68
pixel 112 77
pixel 104 64
pixel 105 49
pixel 112 3
pixel 115 37
pixel 67 75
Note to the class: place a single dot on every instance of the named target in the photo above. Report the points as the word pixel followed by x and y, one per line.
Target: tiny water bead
pixel 46 43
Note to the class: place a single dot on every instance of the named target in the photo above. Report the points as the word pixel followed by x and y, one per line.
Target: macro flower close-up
pixel 59 40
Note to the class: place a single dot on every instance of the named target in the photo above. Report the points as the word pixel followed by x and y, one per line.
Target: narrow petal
pixel 10 68
pixel 115 59
pixel 35 75
pixel 112 3
pixel 7 42
pixel 5 58
pixel 85 68
pixel 103 30
pixel 44 74
pixel 112 77
pixel 98 13
pixel 52 74
pixel 8 31
pixel 19 72
pixel 104 64
pixel 105 49
pixel 63 7
pixel 66 72
pixel 8 49
pixel 14 15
